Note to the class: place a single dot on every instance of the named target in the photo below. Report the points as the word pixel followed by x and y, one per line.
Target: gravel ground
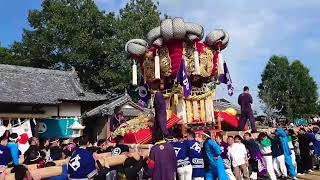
pixel 311 176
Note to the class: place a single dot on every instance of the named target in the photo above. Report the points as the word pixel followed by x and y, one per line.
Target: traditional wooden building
pixel 102 114
pixel 43 95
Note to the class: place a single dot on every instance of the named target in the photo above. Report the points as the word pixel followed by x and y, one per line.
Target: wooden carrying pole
pixel 43 172
pixel 105 159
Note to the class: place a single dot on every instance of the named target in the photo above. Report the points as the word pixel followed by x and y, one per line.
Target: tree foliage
pixel 5 56
pixel 303 90
pixel 75 33
pixel 288 88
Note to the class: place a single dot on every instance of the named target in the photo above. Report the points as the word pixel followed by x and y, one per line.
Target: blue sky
pixel 258 29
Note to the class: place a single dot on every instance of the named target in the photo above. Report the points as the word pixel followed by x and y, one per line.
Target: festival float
pixel 175 61
pixel 179 72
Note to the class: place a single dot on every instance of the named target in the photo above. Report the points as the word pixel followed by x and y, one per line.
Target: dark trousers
pixel 306 161
pixel 244 118
pixel 299 165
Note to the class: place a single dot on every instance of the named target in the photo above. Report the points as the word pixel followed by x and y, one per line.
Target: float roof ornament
pixel 160 55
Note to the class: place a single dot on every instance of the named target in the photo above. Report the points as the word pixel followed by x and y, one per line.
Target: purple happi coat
pixel 224 150
pixel 256 154
pixel 160 114
pixel 163 162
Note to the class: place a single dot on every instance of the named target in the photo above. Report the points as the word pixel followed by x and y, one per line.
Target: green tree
pixel 69 33
pixel 5 56
pixel 303 91
pixel 135 20
pixel 75 33
pixel 318 108
pixel 272 89
pixel 288 88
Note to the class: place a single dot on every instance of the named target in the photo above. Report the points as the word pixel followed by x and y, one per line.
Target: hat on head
pixel 13 137
pixel 207 134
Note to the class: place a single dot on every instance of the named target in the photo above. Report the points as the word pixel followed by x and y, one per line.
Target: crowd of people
pixel 280 154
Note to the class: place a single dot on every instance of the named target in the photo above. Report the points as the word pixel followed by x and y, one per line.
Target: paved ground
pixel 311 176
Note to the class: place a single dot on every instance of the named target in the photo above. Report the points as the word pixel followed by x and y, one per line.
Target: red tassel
pixel 215 59
pixel 200 46
pixel 215 64
pixel 175 48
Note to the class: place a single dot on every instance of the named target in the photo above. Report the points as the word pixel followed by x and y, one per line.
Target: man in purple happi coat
pixel 162 162
pixel 160 124
pixel 245 101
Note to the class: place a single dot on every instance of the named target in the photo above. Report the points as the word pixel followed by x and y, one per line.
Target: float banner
pixel 144 93
pixel 55 128
pixel 183 79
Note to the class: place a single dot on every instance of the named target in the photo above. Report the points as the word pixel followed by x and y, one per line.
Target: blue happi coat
pixel 81 165
pixel 196 159
pixel 287 153
pixel 214 163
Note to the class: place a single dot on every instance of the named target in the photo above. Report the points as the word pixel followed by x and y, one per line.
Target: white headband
pixel 13 139
pixel 38 156
pixel 207 135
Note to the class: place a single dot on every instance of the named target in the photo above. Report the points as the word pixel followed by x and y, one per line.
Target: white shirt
pixel 237 153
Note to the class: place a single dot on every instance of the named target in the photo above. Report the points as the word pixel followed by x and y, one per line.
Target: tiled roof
pixel 28 85
pixel 108 108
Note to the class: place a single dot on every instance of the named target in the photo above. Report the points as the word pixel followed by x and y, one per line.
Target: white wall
pixel 70 109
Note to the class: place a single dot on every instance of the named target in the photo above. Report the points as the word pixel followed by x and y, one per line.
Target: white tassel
pixel 134 74
pixel 220 64
pixel 157 66
pixel 209 114
pixel 182 110
pixel 195 110
pixel 196 62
